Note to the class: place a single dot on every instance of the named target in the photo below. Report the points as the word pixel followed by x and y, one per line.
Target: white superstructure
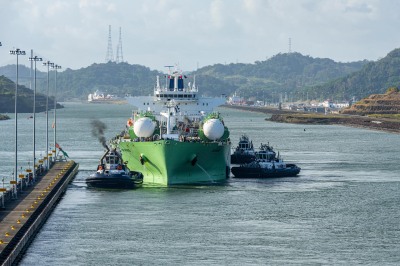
pixel 100 96
pixel 174 102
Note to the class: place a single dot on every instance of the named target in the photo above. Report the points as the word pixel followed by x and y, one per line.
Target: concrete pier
pixel 21 219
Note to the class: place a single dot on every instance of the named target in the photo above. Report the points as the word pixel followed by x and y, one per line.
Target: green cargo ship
pixel 171 162
pixel 175 138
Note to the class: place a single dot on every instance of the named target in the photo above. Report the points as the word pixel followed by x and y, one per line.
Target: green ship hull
pixel 172 162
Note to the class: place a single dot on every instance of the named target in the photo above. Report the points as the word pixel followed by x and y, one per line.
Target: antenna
pixel 169 68
pixel 119 58
pixel 109 56
pixel 290 45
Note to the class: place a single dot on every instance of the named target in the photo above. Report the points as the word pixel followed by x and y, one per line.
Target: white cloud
pixel 159 32
pixel 216 13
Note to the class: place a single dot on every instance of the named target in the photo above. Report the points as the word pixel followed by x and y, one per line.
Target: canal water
pixel 342 209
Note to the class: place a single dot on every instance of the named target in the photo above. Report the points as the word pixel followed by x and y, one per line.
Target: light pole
pixel 16 52
pixel 35 59
pixel 55 107
pixel 48 64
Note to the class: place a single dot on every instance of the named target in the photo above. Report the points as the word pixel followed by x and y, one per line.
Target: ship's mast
pixel 170 105
pixel 169 120
pixel 158 83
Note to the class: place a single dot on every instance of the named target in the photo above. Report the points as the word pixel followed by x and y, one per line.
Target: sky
pixel 197 33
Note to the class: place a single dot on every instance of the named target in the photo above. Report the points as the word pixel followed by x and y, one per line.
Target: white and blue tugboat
pixel 244 152
pixel 113 173
pixel 266 165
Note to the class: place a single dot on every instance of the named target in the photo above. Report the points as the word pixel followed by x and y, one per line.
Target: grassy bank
pixel 384 124
pixel 388 123
pixel 388 116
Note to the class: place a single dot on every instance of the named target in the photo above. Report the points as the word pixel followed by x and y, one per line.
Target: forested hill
pixel 374 78
pixel 283 73
pixel 293 74
pixel 289 72
pixel 112 78
pixel 25 98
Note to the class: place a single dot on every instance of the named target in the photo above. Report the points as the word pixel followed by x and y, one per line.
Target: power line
pixel 120 57
pixel 109 56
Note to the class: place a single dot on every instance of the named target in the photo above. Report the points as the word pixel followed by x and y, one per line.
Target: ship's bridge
pixel 186 99
pixel 175 89
pixel 176 95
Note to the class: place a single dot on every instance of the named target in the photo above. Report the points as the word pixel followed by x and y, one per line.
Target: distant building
pixel 328 104
pixel 342 104
pixel 338 105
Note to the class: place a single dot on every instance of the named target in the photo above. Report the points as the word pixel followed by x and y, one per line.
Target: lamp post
pixel 35 59
pixel 16 52
pixel 55 67
pixel 48 64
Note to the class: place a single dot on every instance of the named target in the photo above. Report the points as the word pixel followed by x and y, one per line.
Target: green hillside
pixel 25 98
pixel 373 78
pixel 283 73
pixel 292 74
pixel 112 78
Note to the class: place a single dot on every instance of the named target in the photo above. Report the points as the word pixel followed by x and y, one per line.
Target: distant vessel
pixel 244 152
pixel 100 97
pixel 267 164
pixel 236 100
pixel 175 138
pixel 112 173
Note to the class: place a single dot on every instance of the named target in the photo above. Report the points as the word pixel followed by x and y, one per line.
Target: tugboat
pixel 112 173
pixel 266 165
pixel 244 152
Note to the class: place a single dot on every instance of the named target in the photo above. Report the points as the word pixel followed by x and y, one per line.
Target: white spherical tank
pixel 143 127
pixel 213 129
